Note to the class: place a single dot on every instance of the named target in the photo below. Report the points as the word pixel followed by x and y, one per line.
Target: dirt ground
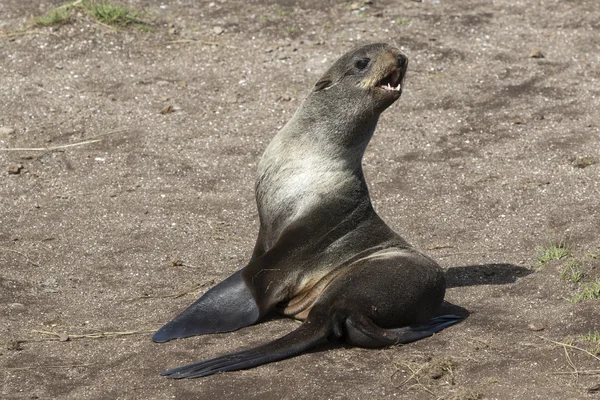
pixel 490 155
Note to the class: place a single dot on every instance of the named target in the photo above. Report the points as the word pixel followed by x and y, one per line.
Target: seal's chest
pixel 299 183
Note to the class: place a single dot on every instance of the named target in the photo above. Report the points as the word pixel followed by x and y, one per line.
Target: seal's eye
pixel 362 63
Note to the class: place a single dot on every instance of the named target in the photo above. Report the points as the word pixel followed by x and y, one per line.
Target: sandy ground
pixel 490 155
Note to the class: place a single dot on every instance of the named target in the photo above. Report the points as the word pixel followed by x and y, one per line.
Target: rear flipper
pixel 226 307
pixel 363 332
pixel 308 335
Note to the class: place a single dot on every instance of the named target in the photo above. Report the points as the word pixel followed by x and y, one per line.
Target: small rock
pixel 585 162
pixel 593 389
pixel 13 345
pixel 436 373
pixel 218 30
pixel 177 263
pixel 6 130
pixel 63 337
pixel 167 109
pixel 50 282
pixel 536 327
pixel 536 54
pixel 16 307
pixel 15 169
pixel 182 85
pixel 173 31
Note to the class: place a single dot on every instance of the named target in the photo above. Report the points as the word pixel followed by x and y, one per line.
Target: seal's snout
pixel 401 61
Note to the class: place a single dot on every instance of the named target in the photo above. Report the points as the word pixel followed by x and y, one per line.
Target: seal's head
pixel 371 74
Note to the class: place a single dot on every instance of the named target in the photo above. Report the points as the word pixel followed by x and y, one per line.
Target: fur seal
pixel 322 254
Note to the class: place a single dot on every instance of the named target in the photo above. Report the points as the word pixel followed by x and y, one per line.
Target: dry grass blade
pixel 50 366
pixel 21 254
pixel 178 294
pixel 98 335
pixel 24 33
pixel 63 146
pixel 581 372
pixel 570 346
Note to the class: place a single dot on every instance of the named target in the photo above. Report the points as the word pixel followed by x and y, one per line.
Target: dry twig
pixel 21 254
pixel 50 366
pixel 575 371
pixel 98 335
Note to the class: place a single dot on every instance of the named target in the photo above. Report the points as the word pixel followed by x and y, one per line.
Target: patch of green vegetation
pixel 594 339
pixel 595 256
pixel 401 21
pixel 590 291
pixel 555 251
pixel 572 272
pixel 281 12
pixel 111 14
pixel 100 11
pixel 57 16
pixel 291 31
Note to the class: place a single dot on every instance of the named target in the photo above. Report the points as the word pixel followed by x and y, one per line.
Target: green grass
pixel 57 16
pixel 102 12
pixel 555 251
pixel 572 272
pixel 111 14
pixel 591 291
pixel 594 339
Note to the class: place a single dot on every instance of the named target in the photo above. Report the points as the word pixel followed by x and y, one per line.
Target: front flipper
pixel 363 332
pixel 308 335
pixel 226 307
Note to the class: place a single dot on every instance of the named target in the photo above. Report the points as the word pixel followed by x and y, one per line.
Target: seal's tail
pixel 307 335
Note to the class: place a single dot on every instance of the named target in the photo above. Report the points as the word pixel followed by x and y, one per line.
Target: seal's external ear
pixel 323 83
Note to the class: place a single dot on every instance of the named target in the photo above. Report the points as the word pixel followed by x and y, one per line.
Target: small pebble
pixel 167 109
pixel 15 169
pixel 218 30
pixel 17 307
pixel 536 54
pixel 436 373
pixel 6 130
pixel 593 389
pixel 13 345
pixel 536 327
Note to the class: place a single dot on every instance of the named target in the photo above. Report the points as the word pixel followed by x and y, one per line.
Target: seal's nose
pixel 401 60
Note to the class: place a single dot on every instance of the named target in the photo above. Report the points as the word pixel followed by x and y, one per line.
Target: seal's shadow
pixel 481 274
pixel 484 274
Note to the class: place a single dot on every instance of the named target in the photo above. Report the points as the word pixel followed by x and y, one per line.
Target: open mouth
pixel 391 83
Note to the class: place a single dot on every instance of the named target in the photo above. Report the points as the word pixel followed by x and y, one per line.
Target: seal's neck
pixel 341 128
